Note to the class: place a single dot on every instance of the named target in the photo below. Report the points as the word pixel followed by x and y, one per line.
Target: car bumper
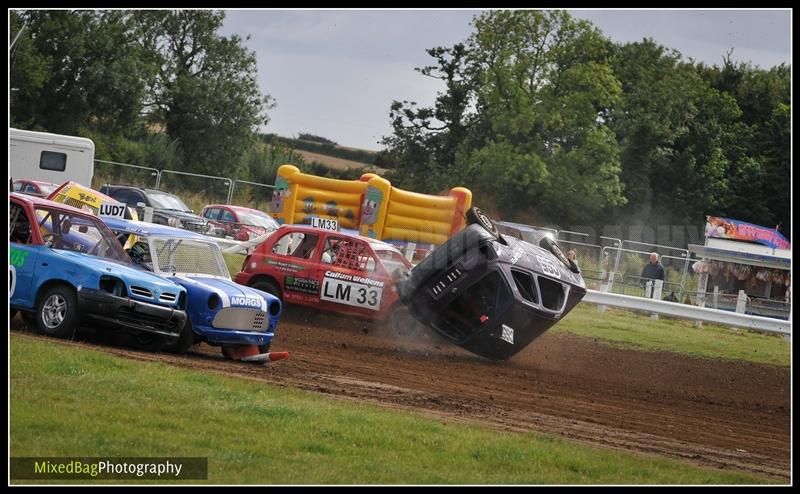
pixel 131 314
pixel 232 337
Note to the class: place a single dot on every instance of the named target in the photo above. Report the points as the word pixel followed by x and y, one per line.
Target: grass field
pixel 339 163
pixel 632 330
pixel 68 401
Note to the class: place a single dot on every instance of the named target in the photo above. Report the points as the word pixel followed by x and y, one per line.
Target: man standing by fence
pixel 653 270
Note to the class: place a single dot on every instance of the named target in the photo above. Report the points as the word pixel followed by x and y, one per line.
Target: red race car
pixel 328 270
pixel 238 222
pixel 34 187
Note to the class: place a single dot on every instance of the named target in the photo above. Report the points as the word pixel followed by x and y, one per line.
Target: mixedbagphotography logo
pixel 162 468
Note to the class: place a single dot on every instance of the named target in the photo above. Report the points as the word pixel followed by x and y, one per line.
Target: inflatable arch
pixel 370 205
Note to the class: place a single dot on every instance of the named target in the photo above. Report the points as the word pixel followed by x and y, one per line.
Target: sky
pixel 335 73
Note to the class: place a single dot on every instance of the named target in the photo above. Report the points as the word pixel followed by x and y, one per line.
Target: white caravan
pixel 51 158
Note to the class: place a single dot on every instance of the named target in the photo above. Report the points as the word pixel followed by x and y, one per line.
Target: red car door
pixel 293 263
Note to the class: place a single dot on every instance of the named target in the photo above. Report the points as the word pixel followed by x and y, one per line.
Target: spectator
pixel 653 270
pixel 572 256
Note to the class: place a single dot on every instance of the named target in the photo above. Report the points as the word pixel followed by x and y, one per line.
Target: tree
pixel 74 72
pixel 523 116
pixel 204 89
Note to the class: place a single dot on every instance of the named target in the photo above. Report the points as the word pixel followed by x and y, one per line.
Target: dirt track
pixel 728 415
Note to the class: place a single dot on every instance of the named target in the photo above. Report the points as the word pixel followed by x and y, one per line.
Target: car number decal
pixel 324 223
pixel 113 210
pixel 352 290
pixel 508 334
pixel 548 267
pixel 12 273
pixel 17 257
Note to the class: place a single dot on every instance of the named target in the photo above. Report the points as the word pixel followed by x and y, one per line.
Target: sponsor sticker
pixel 284 266
pixel 240 301
pixel 302 285
pixel 516 254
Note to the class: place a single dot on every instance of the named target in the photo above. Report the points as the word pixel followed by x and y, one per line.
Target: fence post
pixel 715 299
pixel 604 287
pixel 741 302
pixel 702 285
pixel 658 287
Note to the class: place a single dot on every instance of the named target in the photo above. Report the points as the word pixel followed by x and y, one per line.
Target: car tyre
pixel 551 246
pixel 477 217
pixel 268 286
pixel 184 341
pixel 147 342
pixel 57 312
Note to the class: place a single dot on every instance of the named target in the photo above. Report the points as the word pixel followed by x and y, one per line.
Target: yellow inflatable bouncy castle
pixel 370 205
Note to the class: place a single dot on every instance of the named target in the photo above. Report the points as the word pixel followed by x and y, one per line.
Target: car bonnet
pixel 524 255
pixel 230 293
pixel 128 274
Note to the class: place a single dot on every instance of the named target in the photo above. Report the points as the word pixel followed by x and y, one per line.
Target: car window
pixel 392 261
pixel 18 186
pixel 19 227
pixel 167 201
pixel 63 230
pixel 211 213
pixel 30 188
pixel 482 302
pixel 296 244
pixel 122 195
pixel 227 216
pixel 349 253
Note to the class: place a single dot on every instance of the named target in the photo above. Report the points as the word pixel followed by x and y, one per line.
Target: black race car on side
pixel 490 293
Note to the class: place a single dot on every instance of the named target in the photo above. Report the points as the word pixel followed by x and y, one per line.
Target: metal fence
pixel 111 172
pixel 205 189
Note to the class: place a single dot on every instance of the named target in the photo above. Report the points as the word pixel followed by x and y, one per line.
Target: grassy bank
pixel 68 401
pixel 638 331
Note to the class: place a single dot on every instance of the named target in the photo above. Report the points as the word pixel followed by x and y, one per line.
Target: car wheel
pixel 147 341
pixel 477 217
pixel 184 342
pixel 269 287
pixel 56 313
pixel 264 348
pixel 551 246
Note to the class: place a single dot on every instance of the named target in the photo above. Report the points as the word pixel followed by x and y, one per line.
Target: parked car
pixel 168 209
pixel 489 293
pixel 328 270
pixel 66 266
pixel 33 187
pixel 237 222
pixel 221 313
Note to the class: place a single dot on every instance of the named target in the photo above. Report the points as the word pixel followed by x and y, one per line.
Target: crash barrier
pixel 370 205
pixel 684 311
pixel 756 306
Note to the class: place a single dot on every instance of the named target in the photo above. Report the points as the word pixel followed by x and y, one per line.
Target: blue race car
pixel 65 266
pixel 239 319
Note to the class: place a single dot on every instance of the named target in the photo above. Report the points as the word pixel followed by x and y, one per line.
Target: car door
pixel 292 263
pixel 23 249
pixel 351 282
